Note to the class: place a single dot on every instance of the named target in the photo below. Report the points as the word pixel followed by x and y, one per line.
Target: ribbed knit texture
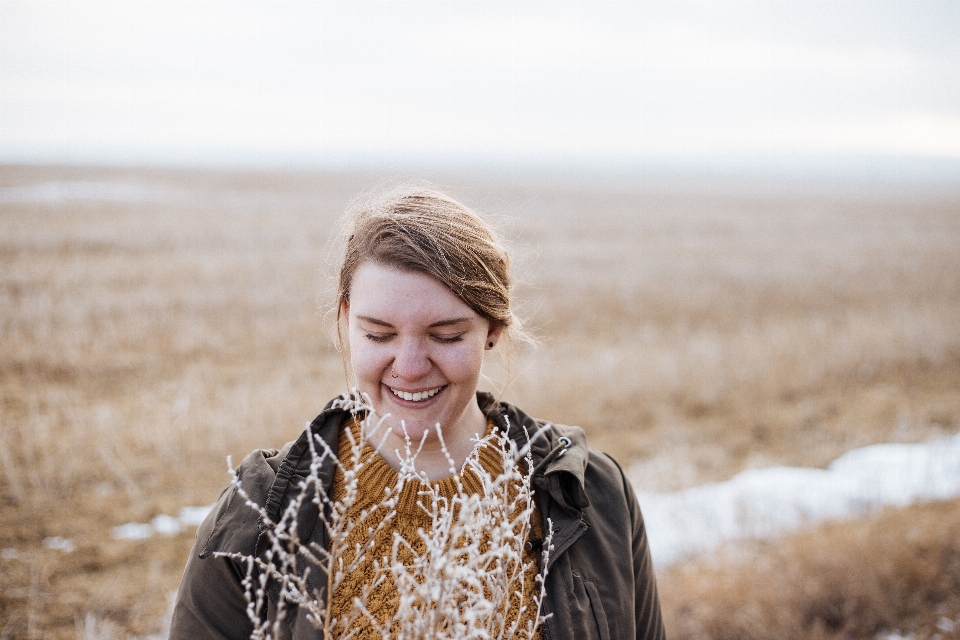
pixel 375 478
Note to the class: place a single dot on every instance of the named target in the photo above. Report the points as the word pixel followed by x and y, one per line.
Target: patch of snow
pixel 11 554
pixel 132 531
pixel 762 503
pixel 54 192
pixel 162 524
pixel 193 516
pixel 60 544
pixel 166 525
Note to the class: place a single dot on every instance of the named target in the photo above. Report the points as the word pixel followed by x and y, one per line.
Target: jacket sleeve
pixel 647 606
pixel 211 602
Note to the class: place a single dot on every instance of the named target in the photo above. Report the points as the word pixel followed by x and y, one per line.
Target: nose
pixel 412 360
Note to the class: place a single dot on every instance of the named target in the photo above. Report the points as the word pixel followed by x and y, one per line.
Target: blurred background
pixel 509 84
pixel 735 228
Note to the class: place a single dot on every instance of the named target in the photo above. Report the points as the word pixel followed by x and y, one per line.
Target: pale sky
pixel 325 82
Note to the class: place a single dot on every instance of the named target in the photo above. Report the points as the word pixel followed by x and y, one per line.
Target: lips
pixel 416 396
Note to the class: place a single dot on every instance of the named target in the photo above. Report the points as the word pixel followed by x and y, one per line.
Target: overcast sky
pixel 328 82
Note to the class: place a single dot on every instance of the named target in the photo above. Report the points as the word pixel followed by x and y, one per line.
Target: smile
pixel 417 396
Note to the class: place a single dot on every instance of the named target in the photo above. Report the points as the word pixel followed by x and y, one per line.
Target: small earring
pixel 490 345
pixel 393 372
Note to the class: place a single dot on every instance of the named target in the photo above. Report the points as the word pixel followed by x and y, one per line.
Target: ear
pixel 493 335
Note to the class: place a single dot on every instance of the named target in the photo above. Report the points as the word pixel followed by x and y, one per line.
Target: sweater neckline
pixel 378 480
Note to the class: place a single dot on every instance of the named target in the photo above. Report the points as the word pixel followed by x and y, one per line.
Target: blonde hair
pixel 422 230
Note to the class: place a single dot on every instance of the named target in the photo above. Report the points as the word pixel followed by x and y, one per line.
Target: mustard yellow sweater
pixel 375 476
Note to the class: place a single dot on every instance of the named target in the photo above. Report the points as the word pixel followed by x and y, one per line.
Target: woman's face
pixel 416 349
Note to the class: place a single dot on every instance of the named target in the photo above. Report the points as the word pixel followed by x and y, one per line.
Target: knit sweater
pixel 374 479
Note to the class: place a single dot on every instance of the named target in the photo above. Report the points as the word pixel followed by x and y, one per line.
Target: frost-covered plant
pixel 458 579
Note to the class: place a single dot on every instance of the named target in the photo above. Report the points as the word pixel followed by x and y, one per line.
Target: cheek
pixel 366 359
pixel 465 363
pixel 362 363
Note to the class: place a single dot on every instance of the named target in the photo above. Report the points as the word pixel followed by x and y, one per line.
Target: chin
pixel 414 429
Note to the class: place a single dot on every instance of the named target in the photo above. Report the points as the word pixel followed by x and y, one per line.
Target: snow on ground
pixel 59 192
pixel 163 524
pixel 762 503
pixel 757 503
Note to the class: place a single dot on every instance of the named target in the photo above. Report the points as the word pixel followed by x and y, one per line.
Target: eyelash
pixel 441 340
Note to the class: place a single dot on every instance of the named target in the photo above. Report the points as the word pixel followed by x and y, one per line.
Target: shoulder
pixel 607 486
pixel 231 526
pixel 262 485
pixel 575 475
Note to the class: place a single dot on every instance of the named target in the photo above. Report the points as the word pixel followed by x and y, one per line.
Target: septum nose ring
pixel 393 372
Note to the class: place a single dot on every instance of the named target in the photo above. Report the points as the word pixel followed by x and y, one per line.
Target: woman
pixel 424 293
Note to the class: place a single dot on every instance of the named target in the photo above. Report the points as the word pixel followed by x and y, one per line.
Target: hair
pixel 422 230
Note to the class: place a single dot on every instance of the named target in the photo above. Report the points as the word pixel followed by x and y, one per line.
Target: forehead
pixel 396 296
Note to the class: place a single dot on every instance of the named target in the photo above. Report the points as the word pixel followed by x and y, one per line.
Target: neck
pixel 431 460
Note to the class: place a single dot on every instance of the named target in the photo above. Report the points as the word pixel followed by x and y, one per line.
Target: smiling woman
pixel 417 347
pixel 423 295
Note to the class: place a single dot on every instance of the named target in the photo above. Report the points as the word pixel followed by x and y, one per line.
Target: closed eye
pixel 448 339
pixel 379 337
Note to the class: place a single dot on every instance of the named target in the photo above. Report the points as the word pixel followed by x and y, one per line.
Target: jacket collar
pixel 559 452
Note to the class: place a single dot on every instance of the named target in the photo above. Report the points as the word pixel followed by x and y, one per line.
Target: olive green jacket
pixel 600 583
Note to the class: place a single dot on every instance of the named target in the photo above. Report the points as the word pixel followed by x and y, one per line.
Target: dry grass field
pixel 151 329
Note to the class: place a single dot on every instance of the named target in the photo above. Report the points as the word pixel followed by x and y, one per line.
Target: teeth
pixel 418 396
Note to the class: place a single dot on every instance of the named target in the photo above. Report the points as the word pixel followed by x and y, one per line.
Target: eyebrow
pixel 439 323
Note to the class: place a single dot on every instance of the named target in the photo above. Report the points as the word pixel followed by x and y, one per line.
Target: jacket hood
pixel 559 452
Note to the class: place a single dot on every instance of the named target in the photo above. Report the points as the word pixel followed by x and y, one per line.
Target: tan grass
pixel 692 333
pixel 897 572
